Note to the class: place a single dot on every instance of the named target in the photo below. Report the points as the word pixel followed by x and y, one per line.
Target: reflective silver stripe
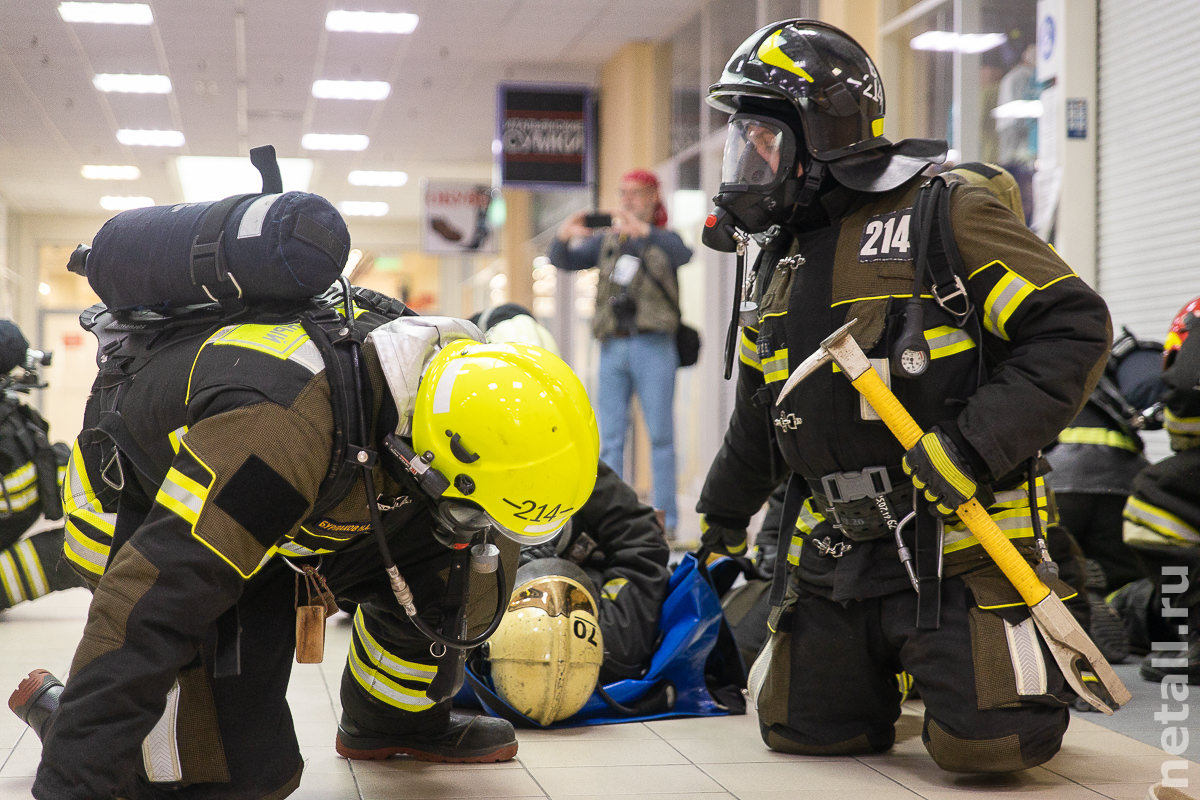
pixel 309 357
pixel 292 549
pixel 1025 651
pixel 19 478
pixel 775 367
pixel 748 352
pixel 1005 298
pixel 393 664
pixel 32 566
pixel 10 579
pixel 946 341
pixel 177 494
pixel 84 552
pixel 160 750
pixel 1159 520
pixel 1183 425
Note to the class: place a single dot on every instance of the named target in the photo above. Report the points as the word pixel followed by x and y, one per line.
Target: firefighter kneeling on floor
pixel 206 544
pixel 992 362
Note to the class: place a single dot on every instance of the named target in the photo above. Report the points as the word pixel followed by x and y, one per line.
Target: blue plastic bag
pixel 696 656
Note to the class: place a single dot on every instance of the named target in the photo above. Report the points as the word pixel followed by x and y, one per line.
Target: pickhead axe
pixel 1066 639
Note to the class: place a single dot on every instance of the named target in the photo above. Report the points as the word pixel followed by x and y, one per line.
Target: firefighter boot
pixel 468 739
pixel 36 699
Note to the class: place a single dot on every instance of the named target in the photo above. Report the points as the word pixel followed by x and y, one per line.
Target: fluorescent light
pixel 352 90
pixel 334 141
pixel 204 178
pixel 150 138
pixel 102 172
pixel 43 288
pixel 370 22
pixel 124 203
pixel 948 41
pixel 1018 109
pixel 132 84
pixel 364 177
pixel 108 13
pixel 362 208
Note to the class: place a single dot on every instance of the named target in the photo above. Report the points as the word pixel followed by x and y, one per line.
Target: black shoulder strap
pixel 654 279
pixel 338 344
pixel 936 252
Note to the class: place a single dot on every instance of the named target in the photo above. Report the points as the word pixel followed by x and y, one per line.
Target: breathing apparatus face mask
pixel 457 522
pixel 758 175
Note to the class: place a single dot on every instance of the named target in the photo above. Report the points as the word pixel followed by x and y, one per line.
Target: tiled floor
pixel 669 760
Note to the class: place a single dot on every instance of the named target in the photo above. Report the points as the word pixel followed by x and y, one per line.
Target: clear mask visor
pixel 460 521
pixel 756 150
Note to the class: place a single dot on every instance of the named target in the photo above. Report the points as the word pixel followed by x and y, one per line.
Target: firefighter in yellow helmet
pixel 205 514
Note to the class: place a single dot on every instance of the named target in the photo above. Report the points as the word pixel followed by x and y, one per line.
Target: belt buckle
pixel 844 487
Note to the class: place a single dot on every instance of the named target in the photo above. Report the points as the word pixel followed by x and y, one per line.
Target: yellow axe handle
pixel 997 545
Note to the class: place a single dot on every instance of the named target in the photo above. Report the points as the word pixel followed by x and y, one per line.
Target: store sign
pixel 455 218
pixel 544 135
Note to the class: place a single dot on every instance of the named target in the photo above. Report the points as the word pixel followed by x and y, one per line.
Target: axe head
pixel 840 348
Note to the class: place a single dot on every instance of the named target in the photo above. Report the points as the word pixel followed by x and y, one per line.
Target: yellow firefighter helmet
pixel 545 656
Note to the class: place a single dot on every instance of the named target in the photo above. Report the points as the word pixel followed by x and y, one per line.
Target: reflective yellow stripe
pixel 1186 426
pixel 775 368
pixel 1101 437
pixel 397 667
pixel 10 579
pixel 769 52
pixel 612 588
pixel 946 340
pixel 383 687
pixel 290 548
pixel 175 437
pixel 1005 298
pixel 808 519
pixel 748 351
pixel 20 478
pixel 1159 520
pixel 1010 510
pixel 182 495
pixel 34 573
pixel 85 553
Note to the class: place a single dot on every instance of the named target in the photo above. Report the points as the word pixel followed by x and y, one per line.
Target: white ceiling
pixel 242 72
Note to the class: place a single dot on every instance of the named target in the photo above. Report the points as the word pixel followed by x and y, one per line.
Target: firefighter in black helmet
pixel 1013 343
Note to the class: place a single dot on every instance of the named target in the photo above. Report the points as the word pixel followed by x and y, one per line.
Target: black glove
pixel 721 540
pixel 938 468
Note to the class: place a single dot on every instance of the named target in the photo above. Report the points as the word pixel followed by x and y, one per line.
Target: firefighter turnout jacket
pixel 1002 382
pixel 184 541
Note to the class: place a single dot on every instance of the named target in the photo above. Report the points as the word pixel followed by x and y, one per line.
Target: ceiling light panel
pixel 110 172
pixel 145 138
pixel 334 141
pixel 362 177
pixel 107 13
pixel 205 178
pixel 370 22
pixel 132 84
pixel 351 90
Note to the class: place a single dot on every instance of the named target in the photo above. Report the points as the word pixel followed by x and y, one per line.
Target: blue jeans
pixel 644 363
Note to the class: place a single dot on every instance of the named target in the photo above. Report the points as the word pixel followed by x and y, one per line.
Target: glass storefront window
pixel 967 80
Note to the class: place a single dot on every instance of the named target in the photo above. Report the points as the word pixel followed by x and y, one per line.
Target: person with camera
pixel 30 470
pixel 635 320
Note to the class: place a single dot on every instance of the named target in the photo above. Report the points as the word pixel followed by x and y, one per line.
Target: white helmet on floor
pixel 545 656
